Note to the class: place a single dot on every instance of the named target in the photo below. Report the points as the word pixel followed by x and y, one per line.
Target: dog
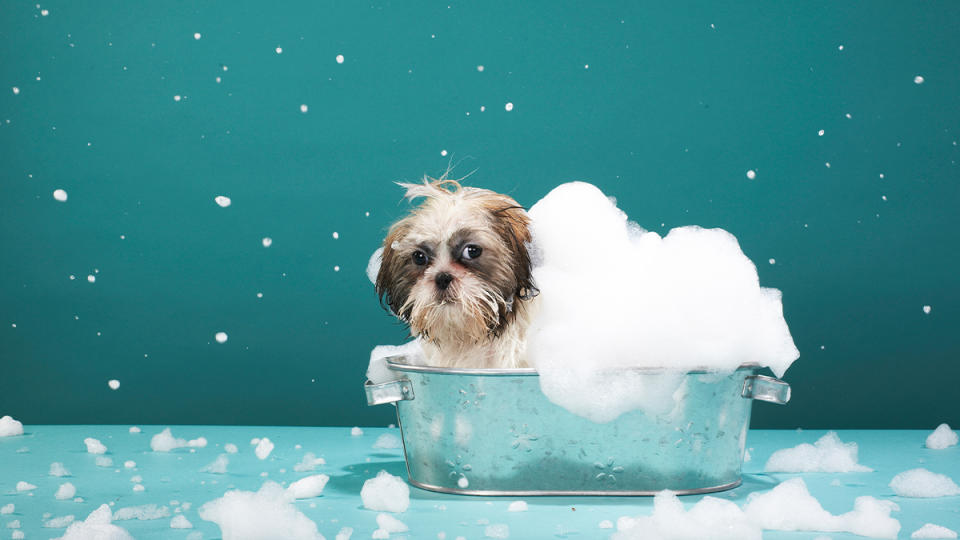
pixel 457 271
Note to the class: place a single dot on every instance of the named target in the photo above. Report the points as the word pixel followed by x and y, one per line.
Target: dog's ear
pixel 513 226
pixel 394 281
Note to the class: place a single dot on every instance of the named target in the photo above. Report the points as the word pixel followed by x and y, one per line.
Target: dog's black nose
pixel 443 280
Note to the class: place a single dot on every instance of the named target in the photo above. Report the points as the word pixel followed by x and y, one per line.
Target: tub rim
pixel 395 365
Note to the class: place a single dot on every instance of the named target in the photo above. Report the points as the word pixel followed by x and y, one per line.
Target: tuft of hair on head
pixel 431 188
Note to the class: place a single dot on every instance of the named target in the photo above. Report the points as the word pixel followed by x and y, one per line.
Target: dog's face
pixel 457 267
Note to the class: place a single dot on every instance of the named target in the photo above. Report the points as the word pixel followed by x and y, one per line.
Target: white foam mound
pixel 391 524
pixel 788 507
pixel 10 427
pixel 97 526
pixel 65 491
pixel 263 449
pixel 923 483
pixel 94 446
pixel 388 441
pixel 385 493
pixel 307 487
pixel 713 518
pixel 615 296
pixel 930 530
pixel 828 454
pixel 942 437
pixel 267 513
pixel 219 465
pixel 377 370
pixel 309 462
pixel 165 442
pixel 144 512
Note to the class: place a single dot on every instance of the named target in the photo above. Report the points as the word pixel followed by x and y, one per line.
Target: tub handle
pixel 388 392
pixel 766 389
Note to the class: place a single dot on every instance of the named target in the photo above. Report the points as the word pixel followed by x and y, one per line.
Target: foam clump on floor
pixel 144 512
pixel 942 437
pixel 218 466
pixel 58 522
pixel 97 526
pixel 65 491
pixel 714 518
pixel 307 487
pixel 25 486
pixel 923 484
pixel 497 530
pixel 930 530
pixel 309 462
pixel 94 446
pixel 386 493
pixel 266 513
pixel 377 370
pixel 390 524
pixel 387 441
pixel 787 507
pixel 10 427
pixel 517 506
pixel 621 297
pixel 791 507
pixel 165 442
pixel 828 454
pixel 263 449
pixel 180 522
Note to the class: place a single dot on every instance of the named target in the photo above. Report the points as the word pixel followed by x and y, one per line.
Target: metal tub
pixel 493 432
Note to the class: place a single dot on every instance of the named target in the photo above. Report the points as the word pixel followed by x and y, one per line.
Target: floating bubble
pixel 221 337
pixel 918 79
pixel 508 106
pixel 751 174
pixel 223 201
pixel 267 241
pixel 339 58
pixel 304 108
pixel 926 309
pixel 113 384
pixel 60 195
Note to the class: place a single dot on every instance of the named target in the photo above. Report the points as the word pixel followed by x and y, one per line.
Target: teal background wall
pixel 664 105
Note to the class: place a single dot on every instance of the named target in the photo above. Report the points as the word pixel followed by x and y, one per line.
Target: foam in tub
pixel 615 295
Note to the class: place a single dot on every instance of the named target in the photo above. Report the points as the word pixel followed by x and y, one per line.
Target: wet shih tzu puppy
pixel 457 271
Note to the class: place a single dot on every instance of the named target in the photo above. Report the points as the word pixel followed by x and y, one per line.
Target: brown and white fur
pixel 457 271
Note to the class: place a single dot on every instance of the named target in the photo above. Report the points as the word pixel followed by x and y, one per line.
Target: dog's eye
pixel 419 258
pixel 471 252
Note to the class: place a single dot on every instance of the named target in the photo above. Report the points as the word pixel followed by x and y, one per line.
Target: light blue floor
pixel 351 460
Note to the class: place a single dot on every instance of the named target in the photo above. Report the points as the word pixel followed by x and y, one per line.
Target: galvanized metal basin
pixel 493 432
